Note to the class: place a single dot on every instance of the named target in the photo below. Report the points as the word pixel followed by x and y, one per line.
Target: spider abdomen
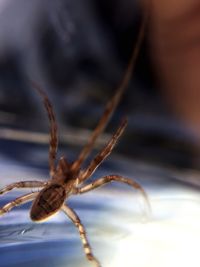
pixel 48 202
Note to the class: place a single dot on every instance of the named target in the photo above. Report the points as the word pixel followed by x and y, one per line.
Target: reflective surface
pixel 119 227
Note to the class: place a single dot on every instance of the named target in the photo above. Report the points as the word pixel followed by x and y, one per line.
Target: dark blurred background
pixel 78 52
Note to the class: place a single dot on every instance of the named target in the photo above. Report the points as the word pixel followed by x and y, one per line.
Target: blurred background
pixel 78 51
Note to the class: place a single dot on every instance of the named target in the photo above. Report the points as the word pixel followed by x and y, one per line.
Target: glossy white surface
pixel 121 231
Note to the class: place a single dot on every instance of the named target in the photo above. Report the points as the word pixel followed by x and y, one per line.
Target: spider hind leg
pixel 77 222
pixel 17 202
pixel 22 184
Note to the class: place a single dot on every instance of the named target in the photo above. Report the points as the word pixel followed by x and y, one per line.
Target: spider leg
pixel 17 202
pixel 103 153
pixel 112 104
pixel 53 142
pixel 22 184
pixel 77 222
pixel 109 109
pixel 110 178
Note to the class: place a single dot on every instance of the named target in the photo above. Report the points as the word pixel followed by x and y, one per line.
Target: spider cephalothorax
pixel 64 172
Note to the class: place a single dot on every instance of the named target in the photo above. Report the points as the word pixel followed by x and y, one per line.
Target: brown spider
pixel 67 178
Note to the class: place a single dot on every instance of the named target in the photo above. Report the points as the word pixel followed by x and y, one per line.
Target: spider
pixel 67 178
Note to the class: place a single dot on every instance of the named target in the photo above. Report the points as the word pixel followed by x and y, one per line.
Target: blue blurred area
pixel 115 216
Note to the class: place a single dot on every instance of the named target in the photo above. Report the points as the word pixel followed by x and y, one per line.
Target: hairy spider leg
pixel 111 178
pixel 83 235
pixel 53 142
pixel 104 153
pixel 112 104
pixel 110 107
pixel 22 184
pixel 17 202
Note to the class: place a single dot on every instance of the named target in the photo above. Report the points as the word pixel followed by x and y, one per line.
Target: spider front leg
pixel 110 178
pixel 77 222
pixel 53 142
pixel 17 202
pixel 104 153
pixel 22 184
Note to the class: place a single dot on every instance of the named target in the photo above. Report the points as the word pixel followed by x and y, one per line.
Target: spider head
pixel 64 173
pixel 63 166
